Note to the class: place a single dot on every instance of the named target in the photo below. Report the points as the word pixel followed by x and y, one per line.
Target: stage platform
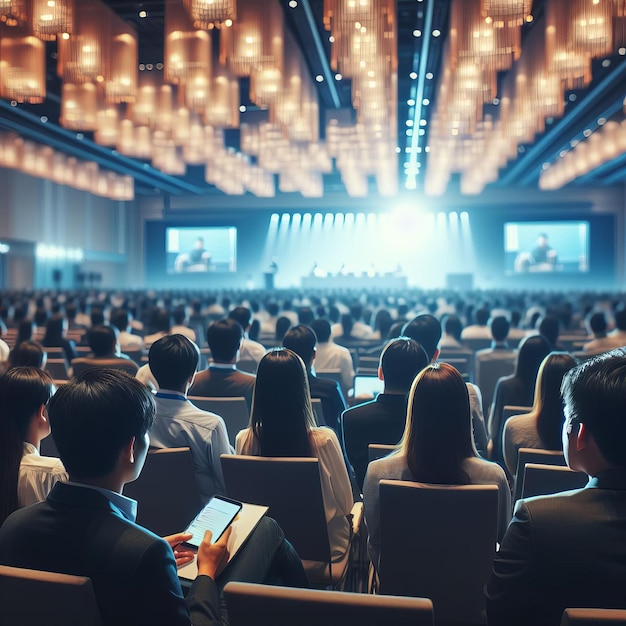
pixel 351 281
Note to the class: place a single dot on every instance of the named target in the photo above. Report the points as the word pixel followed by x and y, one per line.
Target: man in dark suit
pixel 100 422
pixel 383 419
pixel 222 378
pixel 569 550
pixel 302 340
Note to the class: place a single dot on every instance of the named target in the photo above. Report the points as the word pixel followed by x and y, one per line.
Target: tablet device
pixel 368 386
pixel 216 516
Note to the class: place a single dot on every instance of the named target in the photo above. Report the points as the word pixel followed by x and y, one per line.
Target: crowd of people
pixel 143 358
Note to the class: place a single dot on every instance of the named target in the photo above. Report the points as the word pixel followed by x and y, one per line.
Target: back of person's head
pixel 179 315
pixel 255 330
pixel 94 416
pixel 281 415
pixel 120 319
pixel 305 315
pixel 25 331
pixel 382 323
pixel 301 340
pixel 516 318
pixel 173 361
pixel 594 393
pixel 438 433
pixel 55 328
pixel 96 316
pixel 597 323
pixel 499 327
pixel 71 311
pixel 27 354
pixel 400 361
pixel 347 324
pixel 242 315
pixel 282 326
pixel 482 316
pixel 272 308
pixel 550 327
pixel 161 321
pixel 548 405
pixel 453 326
pixel 356 310
pixel 321 328
pixel 620 318
pixel 40 317
pixel 23 391
pixel 532 351
pixel 224 338
pixel 102 340
pixel 426 330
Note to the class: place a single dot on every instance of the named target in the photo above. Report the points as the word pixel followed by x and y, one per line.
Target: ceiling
pixel 422 54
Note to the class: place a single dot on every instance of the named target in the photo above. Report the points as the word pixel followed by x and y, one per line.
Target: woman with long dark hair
pixel 25 476
pixel 437 448
pixel 517 389
pixel 542 427
pixel 282 425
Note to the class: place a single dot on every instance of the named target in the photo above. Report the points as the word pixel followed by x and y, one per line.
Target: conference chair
pixel 461 362
pixel 533 455
pixel 541 480
pixel 82 364
pixel 331 374
pixel 234 412
pixel 247 365
pixel 32 598
pixel 166 491
pixel 318 411
pixel 488 371
pixel 135 355
pixel 367 366
pixel 292 489
pixel 438 542
pixel 477 343
pixel 379 450
pixel 57 368
pixel 593 617
pixel 266 605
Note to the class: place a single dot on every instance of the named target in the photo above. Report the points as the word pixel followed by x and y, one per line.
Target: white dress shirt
pixel 37 475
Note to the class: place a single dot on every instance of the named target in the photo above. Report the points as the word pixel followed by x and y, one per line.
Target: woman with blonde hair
pixel 282 425
pixel 542 426
pixel 25 476
pixel 437 448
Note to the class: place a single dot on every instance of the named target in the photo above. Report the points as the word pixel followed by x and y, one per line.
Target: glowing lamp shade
pixel 13 12
pixel 223 108
pixel 52 17
pixel 208 14
pixel 79 106
pixel 121 82
pixel 23 69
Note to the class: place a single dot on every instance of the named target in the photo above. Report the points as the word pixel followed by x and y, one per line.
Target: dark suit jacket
pixel 79 531
pixel 228 383
pixel 562 551
pixel 333 402
pixel 380 421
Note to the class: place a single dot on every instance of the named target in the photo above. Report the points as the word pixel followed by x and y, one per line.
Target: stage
pixel 351 281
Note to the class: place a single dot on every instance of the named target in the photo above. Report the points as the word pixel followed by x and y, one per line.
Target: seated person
pixel 26 476
pixel 101 423
pixel 568 550
pixel 382 420
pixel 198 259
pixel 105 352
pixel 178 423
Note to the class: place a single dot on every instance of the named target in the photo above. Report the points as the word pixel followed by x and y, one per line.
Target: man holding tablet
pixel 100 422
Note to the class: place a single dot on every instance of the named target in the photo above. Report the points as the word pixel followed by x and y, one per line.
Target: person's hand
pixel 182 554
pixel 212 557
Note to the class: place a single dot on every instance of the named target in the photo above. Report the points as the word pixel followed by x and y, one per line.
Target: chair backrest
pixel 478 343
pixel 331 374
pixel 487 372
pixel 593 617
pixel 234 412
pixel 57 368
pixel 367 366
pixel 438 542
pixel 247 365
pixel 166 491
pixel 265 605
pixel 379 450
pixel 32 598
pixel 54 352
pixel 135 355
pixel 541 480
pixel 533 455
pixel 291 488
pixel 318 411
pixel 461 363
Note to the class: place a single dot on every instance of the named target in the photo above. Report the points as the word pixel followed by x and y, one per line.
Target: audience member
pixel 330 356
pixel 105 352
pixel 133 571
pixel 618 334
pixel 358 330
pixel 383 419
pixel 302 341
pixel 173 362
pixel 25 476
pixel 28 354
pixel 597 324
pixel 550 328
pixel 120 318
pixel 452 329
pixel 569 549
pixel 282 425
pixel 56 329
pixel 222 378
pixel 181 324
pixel 436 448
pixel 25 331
pixel 250 350
pixel 283 324
pixel 540 428
pixel 479 330
pixel 160 326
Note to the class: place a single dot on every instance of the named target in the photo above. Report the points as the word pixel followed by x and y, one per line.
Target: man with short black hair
pixel 178 424
pixel 331 356
pixel 302 340
pixel 569 549
pixel 249 350
pixel 105 352
pixel 383 419
pixel 121 318
pixel 222 378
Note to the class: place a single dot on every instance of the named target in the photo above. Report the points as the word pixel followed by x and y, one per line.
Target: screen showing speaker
pixel 200 249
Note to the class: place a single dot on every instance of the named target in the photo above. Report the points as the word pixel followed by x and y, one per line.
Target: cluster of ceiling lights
pixel 177 116
pixel 485 38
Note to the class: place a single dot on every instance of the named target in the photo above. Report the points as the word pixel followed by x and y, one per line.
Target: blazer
pixel 562 551
pixel 228 383
pixel 78 531
pixel 333 402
